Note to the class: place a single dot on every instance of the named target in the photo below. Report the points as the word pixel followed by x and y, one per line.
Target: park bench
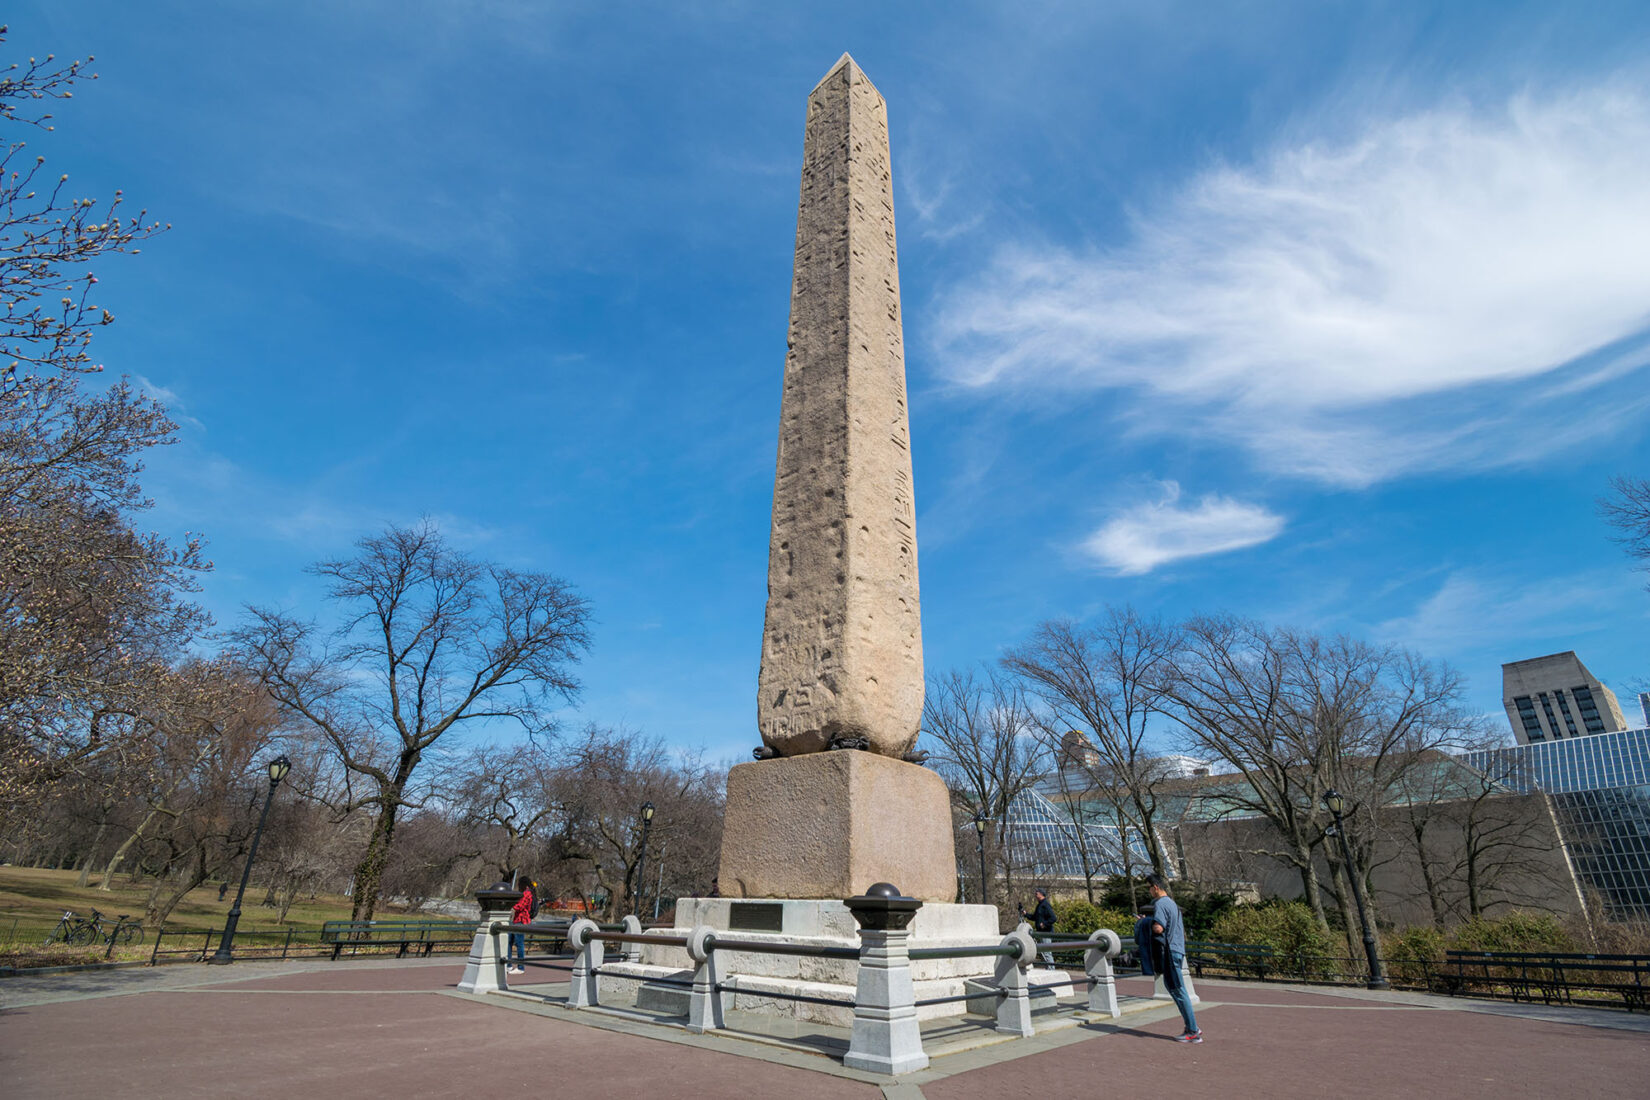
pixel 1551 976
pixel 406 936
pixel 1239 958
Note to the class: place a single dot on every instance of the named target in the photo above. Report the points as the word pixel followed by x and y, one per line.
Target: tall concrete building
pixel 1554 697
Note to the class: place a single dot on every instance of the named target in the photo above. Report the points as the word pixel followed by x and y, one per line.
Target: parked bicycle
pixel 67 925
pixel 123 931
pixel 85 931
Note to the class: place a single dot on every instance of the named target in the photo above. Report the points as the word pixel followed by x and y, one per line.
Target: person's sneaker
pixel 1190 1037
pixel 515 970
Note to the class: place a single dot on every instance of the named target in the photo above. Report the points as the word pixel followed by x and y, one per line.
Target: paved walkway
pixel 373 1028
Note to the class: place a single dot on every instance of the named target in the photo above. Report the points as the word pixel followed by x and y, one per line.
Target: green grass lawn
pixel 31 901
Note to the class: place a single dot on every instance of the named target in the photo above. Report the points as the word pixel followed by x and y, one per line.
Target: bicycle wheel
pixel 82 934
pixel 128 934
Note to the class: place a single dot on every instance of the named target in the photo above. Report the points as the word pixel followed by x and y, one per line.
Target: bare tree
pixel 432 642
pixel 1107 679
pixel 509 792
pixel 1627 509
pixel 90 611
pixel 1296 714
pixel 982 737
pixel 609 775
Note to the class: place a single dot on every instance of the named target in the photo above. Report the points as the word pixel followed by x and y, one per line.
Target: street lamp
pixel 980 822
pixel 278 768
pixel 641 861
pixel 1335 803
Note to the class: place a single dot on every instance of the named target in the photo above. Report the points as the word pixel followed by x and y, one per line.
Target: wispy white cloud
pixel 1152 534
pixel 1352 310
pixel 1508 615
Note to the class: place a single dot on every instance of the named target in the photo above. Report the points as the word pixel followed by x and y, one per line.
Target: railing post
pixel 1162 991
pixel 1097 962
pixel 1014 998
pixel 484 970
pixel 585 938
pixel 705 1001
pixel 886 1038
pixel 632 927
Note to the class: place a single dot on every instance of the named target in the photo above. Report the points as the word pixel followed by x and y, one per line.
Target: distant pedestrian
pixel 715 888
pixel 1171 930
pixel 1042 920
pixel 223 888
pixel 521 914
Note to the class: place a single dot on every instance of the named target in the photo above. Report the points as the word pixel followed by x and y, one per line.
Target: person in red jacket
pixel 521 914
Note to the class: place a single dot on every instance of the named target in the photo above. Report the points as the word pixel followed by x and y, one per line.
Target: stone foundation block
pixel 830 824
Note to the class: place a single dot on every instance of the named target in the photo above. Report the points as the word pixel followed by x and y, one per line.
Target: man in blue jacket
pixel 1166 923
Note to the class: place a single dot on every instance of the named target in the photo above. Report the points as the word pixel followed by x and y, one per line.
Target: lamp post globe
pixel 278 769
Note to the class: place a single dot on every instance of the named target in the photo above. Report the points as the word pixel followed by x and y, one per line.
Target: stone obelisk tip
pixel 845 61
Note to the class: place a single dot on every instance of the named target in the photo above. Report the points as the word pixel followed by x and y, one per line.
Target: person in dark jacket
pixel 1042 920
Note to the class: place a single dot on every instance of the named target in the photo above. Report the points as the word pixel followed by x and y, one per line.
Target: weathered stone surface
pixel 829 825
pixel 842 642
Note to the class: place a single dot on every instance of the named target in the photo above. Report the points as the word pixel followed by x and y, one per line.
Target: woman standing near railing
pixel 521 914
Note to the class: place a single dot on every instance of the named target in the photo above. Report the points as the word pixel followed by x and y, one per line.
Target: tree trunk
pixel 91 854
pixel 1475 906
pixel 1128 870
pixel 369 873
pixel 1148 833
pixel 1338 873
pixel 287 897
pixel 126 846
pixel 162 902
pixel 1312 887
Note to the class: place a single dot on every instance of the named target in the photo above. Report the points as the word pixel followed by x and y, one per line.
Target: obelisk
pixel 842 644
pixel 842 641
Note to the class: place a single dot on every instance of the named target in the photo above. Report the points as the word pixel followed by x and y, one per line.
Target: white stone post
pixel 1103 981
pixel 1162 993
pixel 886 1038
pixel 632 927
pixel 484 969
pixel 584 938
pixel 1014 1003
pixel 705 1000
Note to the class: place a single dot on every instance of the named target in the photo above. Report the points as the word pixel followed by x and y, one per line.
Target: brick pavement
pixel 386 1027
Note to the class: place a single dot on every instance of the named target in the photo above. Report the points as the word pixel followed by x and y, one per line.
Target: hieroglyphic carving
pixel 842 641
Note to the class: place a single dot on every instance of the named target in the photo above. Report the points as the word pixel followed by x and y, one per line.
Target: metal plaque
pixel 757 916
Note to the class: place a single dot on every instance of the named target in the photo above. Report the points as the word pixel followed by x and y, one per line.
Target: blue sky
pixel 1332 314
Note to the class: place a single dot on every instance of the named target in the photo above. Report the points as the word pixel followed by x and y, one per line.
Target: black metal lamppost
pixel 641 861
pixel 1335 803
pixel 980 822
pixel 278 768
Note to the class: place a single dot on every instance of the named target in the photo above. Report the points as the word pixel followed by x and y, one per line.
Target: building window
pixel 1589 709
pixel 1564 709
pixel 1547 709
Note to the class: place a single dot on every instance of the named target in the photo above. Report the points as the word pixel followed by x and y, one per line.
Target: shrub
pixel 1077 918
pixel 1412 953
pixel 1202 911
pixel 1514 932
pixel 1288 928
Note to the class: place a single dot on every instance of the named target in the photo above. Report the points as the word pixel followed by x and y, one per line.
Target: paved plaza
pixel 377 1028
